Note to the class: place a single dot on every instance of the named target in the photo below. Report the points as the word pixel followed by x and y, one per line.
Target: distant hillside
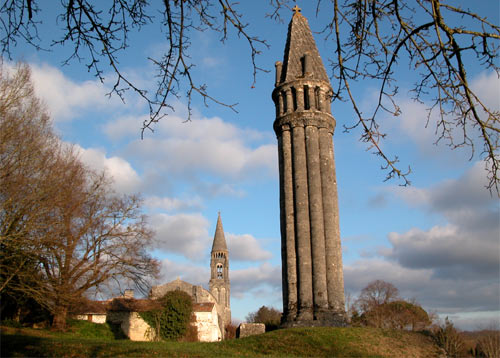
pixel 296 342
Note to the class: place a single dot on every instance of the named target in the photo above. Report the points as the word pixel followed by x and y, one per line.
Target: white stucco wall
pixel 96 318
pixel 208 326
pixel 136 328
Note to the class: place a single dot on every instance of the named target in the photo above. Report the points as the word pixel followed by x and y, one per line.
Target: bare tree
pixel 63 231
pixel 372 40
pixel 270 316
pixel 489 343
pixel 27 144
pixel 376 293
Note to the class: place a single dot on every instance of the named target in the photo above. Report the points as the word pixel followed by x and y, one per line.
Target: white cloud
pixel 468 245
pixel 415 124
pixel 448 250
pixel 246 248
pixel 207 146
pixel 65 98
pixel 444 295
pixel 124 127
pixel 487 88
pixel 185 234
pixel 171 270
pixel 125 178
pixel 245 281
pixel 452 267
pixel 170 204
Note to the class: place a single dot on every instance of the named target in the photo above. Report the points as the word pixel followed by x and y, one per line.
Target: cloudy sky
pixel 436 240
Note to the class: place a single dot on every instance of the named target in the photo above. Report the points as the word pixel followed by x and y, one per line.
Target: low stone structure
pixel 92 311
pixel 206 322
pixel 250 329
pixel 125 312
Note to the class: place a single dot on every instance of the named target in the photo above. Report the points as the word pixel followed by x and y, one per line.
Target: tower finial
pixel 296 9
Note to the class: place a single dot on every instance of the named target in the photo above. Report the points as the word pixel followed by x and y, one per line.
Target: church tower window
pixel 219 271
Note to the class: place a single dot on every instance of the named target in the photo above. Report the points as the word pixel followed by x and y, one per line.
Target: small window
pixel 294 98
pixel 285 103
pixel 219 271
pixel 306 98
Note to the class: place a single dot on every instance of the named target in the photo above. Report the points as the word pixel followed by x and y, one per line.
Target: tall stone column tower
pixel 313 283
pixel 219 284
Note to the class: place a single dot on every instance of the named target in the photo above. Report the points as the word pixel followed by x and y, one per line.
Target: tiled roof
pixel 203 307
pixel 133 305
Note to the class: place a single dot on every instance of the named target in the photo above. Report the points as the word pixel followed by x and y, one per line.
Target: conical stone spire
pixel 219 243
pixel 301 57
pixel 313 283
pixel 219 284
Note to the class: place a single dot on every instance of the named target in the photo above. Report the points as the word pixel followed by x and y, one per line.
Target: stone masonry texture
pixel 313 283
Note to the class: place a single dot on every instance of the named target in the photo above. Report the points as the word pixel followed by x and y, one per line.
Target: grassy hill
pixel 296 342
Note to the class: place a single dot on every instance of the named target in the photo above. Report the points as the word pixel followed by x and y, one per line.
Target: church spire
pixel 301 57
pixel 219 284
pixel 219 243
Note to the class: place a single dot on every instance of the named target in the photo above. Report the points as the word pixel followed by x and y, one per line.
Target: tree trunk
pixel 60 315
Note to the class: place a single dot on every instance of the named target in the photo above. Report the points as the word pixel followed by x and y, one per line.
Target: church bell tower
pixel 219 284
pixel 312 273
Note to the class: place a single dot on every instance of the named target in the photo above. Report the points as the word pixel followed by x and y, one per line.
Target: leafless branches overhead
pixel 437 40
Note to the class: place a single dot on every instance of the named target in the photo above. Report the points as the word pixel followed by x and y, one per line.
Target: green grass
pixel 297 342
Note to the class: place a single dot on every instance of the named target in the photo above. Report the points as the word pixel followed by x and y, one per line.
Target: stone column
pixel 299 92
pixel 289 100
pixel 316 219
pixel 302 227
pixel 333 250
pixel 289 260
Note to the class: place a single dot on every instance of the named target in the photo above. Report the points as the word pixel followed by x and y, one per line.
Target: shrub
pixel 231 331
pixel 11 323
pixel 448 338
pixel 488 344
pixel 399 314
pixel 171 322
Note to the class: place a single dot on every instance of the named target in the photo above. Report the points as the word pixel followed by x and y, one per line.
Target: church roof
pixel 299 42
pixel 203 307
pixel 219 243
pixel 133 305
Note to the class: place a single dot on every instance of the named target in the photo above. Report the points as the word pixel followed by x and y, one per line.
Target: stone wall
pixel 250 329
pixel 206 322
pixel 92 317
pixel 198 293
pixel 134 327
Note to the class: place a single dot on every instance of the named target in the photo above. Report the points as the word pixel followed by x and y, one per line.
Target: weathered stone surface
pixel 250 329
pixel 206 322
pixel 219 284
pixel 313 286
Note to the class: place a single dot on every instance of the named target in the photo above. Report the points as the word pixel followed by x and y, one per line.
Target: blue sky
pixel 437 240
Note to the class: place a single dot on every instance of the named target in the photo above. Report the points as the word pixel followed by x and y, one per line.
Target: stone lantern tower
pixel 313 284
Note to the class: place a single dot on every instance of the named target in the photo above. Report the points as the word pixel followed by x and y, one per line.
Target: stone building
pixel 313 286
pixel 219 285
pixel 211 308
